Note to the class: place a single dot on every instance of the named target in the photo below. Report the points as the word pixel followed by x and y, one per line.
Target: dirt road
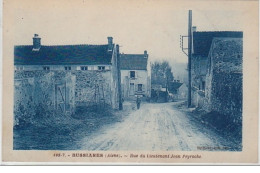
pixel 155 127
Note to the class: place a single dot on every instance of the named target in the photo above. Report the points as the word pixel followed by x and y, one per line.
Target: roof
pixel 202 40
pixel 133 62
pixel 63 55
pixel 173 86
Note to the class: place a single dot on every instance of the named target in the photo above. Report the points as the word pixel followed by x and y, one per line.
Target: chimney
pixel 145 54
pixel 110 43
pixel 36 42
pixel 194 28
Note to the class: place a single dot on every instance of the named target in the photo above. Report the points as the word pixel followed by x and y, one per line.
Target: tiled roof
pixel 202 40
pixel 133 62
pixel 63 55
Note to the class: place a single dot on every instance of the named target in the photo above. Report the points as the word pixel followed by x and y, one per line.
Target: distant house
pixel 135 75
pixel 93 68
pixel 178 90
pixel 174 86
pixel 159 94
pixel 202 42
pixel 183 92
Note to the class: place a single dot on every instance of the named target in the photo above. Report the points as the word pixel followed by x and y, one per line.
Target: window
pixel 67 68
pixel 101 67
pixel 84 67
pixel 19 68
pixel 46 68
pixel 132 74
pixel 140 87
pixel 203 85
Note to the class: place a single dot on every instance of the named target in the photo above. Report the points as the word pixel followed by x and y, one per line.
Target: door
pixel 132 91
pixel 140 87
pixel 60 97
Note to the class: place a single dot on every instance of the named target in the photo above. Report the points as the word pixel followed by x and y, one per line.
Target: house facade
pixel 183 92
pixel 135 75
pixel 174 89
pixel 201 44
pixel 67 75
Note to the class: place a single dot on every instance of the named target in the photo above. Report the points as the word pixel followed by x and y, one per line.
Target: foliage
pixel 161 73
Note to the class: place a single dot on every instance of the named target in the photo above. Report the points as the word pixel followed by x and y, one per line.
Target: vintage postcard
pixel 130 82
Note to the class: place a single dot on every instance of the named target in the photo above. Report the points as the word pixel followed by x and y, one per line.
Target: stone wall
pixel 93 87
pixel 35 94
pixel 84 88
pixel 224 91
pixel 199 68
pixel 197 97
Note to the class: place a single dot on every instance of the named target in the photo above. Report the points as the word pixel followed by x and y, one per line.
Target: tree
pixel 161 73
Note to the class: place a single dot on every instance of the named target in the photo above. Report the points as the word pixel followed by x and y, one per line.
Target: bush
pixel 225 124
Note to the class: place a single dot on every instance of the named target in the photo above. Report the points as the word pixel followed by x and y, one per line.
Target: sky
pixel 154 26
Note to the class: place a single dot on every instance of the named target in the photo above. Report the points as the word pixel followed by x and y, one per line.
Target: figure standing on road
pixel 138 102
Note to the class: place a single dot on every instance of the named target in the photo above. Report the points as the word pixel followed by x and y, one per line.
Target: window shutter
pixel 136 87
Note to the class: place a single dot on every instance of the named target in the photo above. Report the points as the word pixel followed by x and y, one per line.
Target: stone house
pixel 75 74
pixel 135 75
pixel 201 44
pixel 224 89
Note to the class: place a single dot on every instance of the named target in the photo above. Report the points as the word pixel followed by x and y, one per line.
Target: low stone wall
pixel 35 94
pixel 80 88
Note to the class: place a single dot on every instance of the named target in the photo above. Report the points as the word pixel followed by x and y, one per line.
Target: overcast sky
pixel 152 26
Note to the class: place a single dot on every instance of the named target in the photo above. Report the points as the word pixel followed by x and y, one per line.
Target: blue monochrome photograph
pixel 166 82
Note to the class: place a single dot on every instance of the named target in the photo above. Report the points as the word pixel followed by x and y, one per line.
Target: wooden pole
pixel 189 55
pixel 119 79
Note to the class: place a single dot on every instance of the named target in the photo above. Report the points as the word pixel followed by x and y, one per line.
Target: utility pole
pixel 189 53
pixel 119 79
pixel 189 56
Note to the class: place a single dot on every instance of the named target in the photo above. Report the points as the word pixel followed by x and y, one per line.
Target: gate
pixel 61 97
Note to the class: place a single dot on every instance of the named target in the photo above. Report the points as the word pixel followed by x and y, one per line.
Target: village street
pixel 155 127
